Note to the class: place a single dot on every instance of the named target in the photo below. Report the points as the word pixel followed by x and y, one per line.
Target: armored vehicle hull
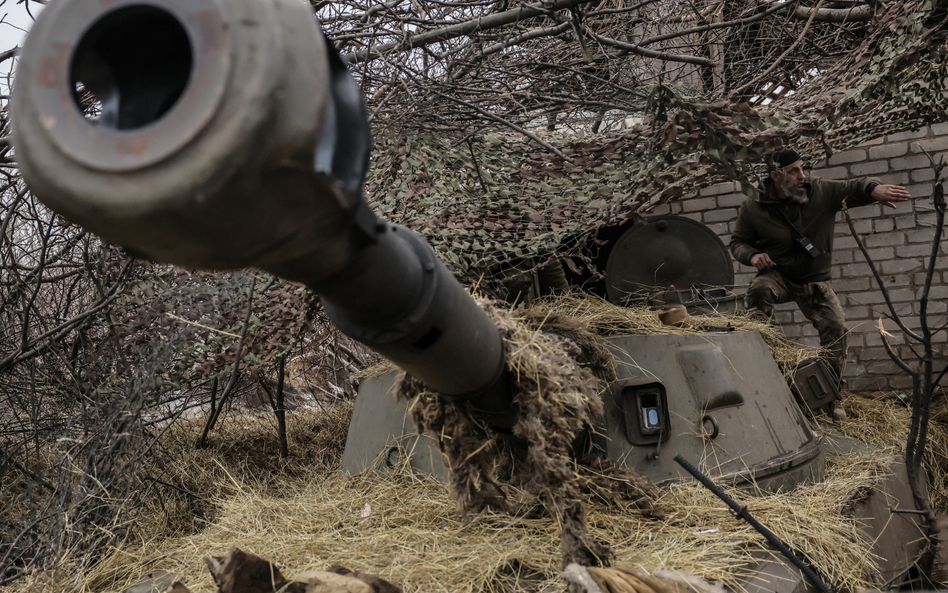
pixel 716 398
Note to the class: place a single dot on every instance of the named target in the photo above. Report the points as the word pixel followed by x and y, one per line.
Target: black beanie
pixel 786 157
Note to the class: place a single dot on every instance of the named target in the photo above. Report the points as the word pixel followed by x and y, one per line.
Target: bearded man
pixel 787 234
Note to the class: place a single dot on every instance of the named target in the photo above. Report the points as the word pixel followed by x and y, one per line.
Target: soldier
pixel 787 234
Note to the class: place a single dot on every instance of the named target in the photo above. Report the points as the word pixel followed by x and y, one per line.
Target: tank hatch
pixel 663 251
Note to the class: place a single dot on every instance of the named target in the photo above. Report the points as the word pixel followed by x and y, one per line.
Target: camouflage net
pixel 557 368
pixel 495 199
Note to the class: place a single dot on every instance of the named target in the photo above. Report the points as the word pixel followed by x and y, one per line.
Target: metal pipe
pixel 227 134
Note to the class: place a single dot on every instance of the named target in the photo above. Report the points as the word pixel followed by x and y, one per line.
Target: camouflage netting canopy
pixel 500 143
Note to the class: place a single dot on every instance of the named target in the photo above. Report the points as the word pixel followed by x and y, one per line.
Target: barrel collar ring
pixel 107 149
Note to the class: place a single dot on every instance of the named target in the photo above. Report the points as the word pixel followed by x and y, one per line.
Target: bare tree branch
pixel 862 12
pixel 461 29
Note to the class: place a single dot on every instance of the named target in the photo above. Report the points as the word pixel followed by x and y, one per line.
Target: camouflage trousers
pixel 818 303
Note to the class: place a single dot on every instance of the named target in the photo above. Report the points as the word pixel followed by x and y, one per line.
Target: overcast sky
pixel 14 23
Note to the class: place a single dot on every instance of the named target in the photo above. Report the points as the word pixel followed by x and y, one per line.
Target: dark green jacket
pixel 760 229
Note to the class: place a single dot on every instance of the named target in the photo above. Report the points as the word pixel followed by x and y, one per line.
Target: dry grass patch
pixel 303 514
pixel 407 530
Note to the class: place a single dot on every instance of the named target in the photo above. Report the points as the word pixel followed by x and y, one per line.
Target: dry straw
pixel 303 514
pixel 407 529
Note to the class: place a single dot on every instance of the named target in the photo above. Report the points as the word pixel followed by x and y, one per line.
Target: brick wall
pixel 899 242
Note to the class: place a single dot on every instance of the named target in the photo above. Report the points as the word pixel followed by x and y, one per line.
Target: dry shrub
pixel 242 453
pixel 882 420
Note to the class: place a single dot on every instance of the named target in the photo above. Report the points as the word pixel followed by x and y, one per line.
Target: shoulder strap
pixel 780 212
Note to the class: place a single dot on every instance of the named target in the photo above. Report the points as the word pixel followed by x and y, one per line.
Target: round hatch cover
pixel 667 250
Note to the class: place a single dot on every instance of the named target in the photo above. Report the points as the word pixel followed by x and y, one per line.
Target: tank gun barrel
pixel 226 134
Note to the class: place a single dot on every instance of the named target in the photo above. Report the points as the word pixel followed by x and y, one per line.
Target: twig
pixel 790 49
pixel 36 478
pixel 888 584
pixel 834 15
pixel 895 357
pixel 201 325
pixel 650 53
pixel 36 346
pixel 477 167
pixel 212 419
pixel 906 511
pixel 875 273
pixel 510 124
pixel 723 25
